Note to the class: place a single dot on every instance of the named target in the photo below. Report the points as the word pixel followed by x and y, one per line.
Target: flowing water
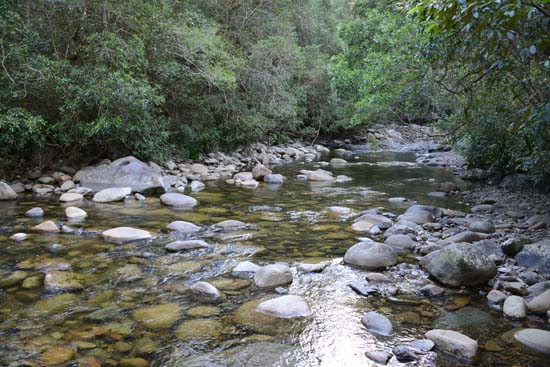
pixel 286 223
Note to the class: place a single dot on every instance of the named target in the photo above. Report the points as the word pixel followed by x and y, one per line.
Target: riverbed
pixel 100 324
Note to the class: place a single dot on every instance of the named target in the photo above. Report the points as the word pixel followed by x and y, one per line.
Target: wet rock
pixel 468 318
pixel 14 278
pixel 104 314
pixel 496 297
pixel 70 197
pixel 400 242
pixel 57 355
pixel 377 278
pixel 178 200
pixel 515 308
pixel 133 362
pixel 6 192
pixel 482 226
pixel 541 303
pixel 197 186
pixel 61 280
pixel 405 354
pixel 460 264
pixel 230 224
pixel 34 213
pixel 243 176
pixel 377 323
pixel 139 197
pixel 46 227
pixel 199 329
pixel 125 234
pixel 186 245
pixel 319 175
pixel 183 227
pixel 432 290
pixel 74 213
pixel 124 172
pixel 273 275
pixel 371 255
pixel 339 210
pixel 313 268
pixel 245 269
pixel 288 306
pixel 535 256
pixel 205 290
pixel 32 282
pixel 19 237
pixel 366 221
pixel 454 342
pixel 260 171
pixel 535 339
pixel 54 305
pixel 423 345
pixel 419 214
pixel 158 317
pixel 380 356
pixel 363 289
pixel 338 162
pixel 274 178
pixel 112 194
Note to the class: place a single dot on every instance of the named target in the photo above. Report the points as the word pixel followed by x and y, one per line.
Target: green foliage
pixel 166 76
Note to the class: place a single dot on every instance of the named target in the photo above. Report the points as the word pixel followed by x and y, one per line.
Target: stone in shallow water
pixel 496 296
pixel 370 255
pixel 19 237
pixel 454 342
pixel 204 290
pixel 14 278
pixel 183 227
pixel 381 357
pixel 178 200
pixel 288 306
pixel 514 307
pixel 471 319
pixel 70 196
pixel 34 213
pixel 112 194
pixel 273 275
pixel 247 316
pixel 133 362
pixel 47 227
pixel 245 269
pixel 377 323
pixel 74 213
pixel 61 280
pixel 230 224
pixel 540 304
pixel 158 317
pixel 203 311
pixel 6 192
pixel 57 355
pixel 274 178
pixel 186 245
pixel 535 339
pixel 54 305
pixel 199 329
pixel 124 234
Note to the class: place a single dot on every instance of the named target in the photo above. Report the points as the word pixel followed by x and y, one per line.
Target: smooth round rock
pixel 274 178
pixel 125 234
pixel 112 194
pixel 245 269
pixel 159 316
pixel 535 339
pixel 454 342
pixel 19 237
pixel 377 323
pixel 288 306
pixel 74 213
pixel 183 227
pixel 273 275
pixel 371 255
pixel 177 200
pixel 496 296
pixel 186 245
pixel 400 242
pixel 6 192
pixel 47 227
pixel 61 280
pixel 230 224
pixel 482 226
pixel 70 196
pixel 541 303
pixel 34 213
pixel 205 290
pixel 515 308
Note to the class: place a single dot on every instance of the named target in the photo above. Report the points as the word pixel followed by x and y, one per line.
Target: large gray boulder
pixel 124 172
pixel 371 255
pixel 6 192
pixel 535 256
pixel 460 264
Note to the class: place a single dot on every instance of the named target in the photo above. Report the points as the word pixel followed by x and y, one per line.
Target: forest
pixel 164 78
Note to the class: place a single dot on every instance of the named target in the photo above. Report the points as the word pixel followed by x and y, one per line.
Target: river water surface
pixel 286 223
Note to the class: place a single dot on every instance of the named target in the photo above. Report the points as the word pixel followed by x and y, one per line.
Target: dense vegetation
pixel 162 77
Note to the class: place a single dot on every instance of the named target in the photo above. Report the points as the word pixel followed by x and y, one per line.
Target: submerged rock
pixel 199 329
pixel 48 227
pixel 125 234
pixel 159 316
pixel 245 269
pixel 460 264
pixel 454 342
pixel 274 178
pixel 183 227
pixel 471 319
pixel 205 290
pixel 371 255
pixel 61 280
pixel 380 356
pixel 377 323
pixel 273 275
pixel 186 245
pixel 124 172
pixel 288 306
